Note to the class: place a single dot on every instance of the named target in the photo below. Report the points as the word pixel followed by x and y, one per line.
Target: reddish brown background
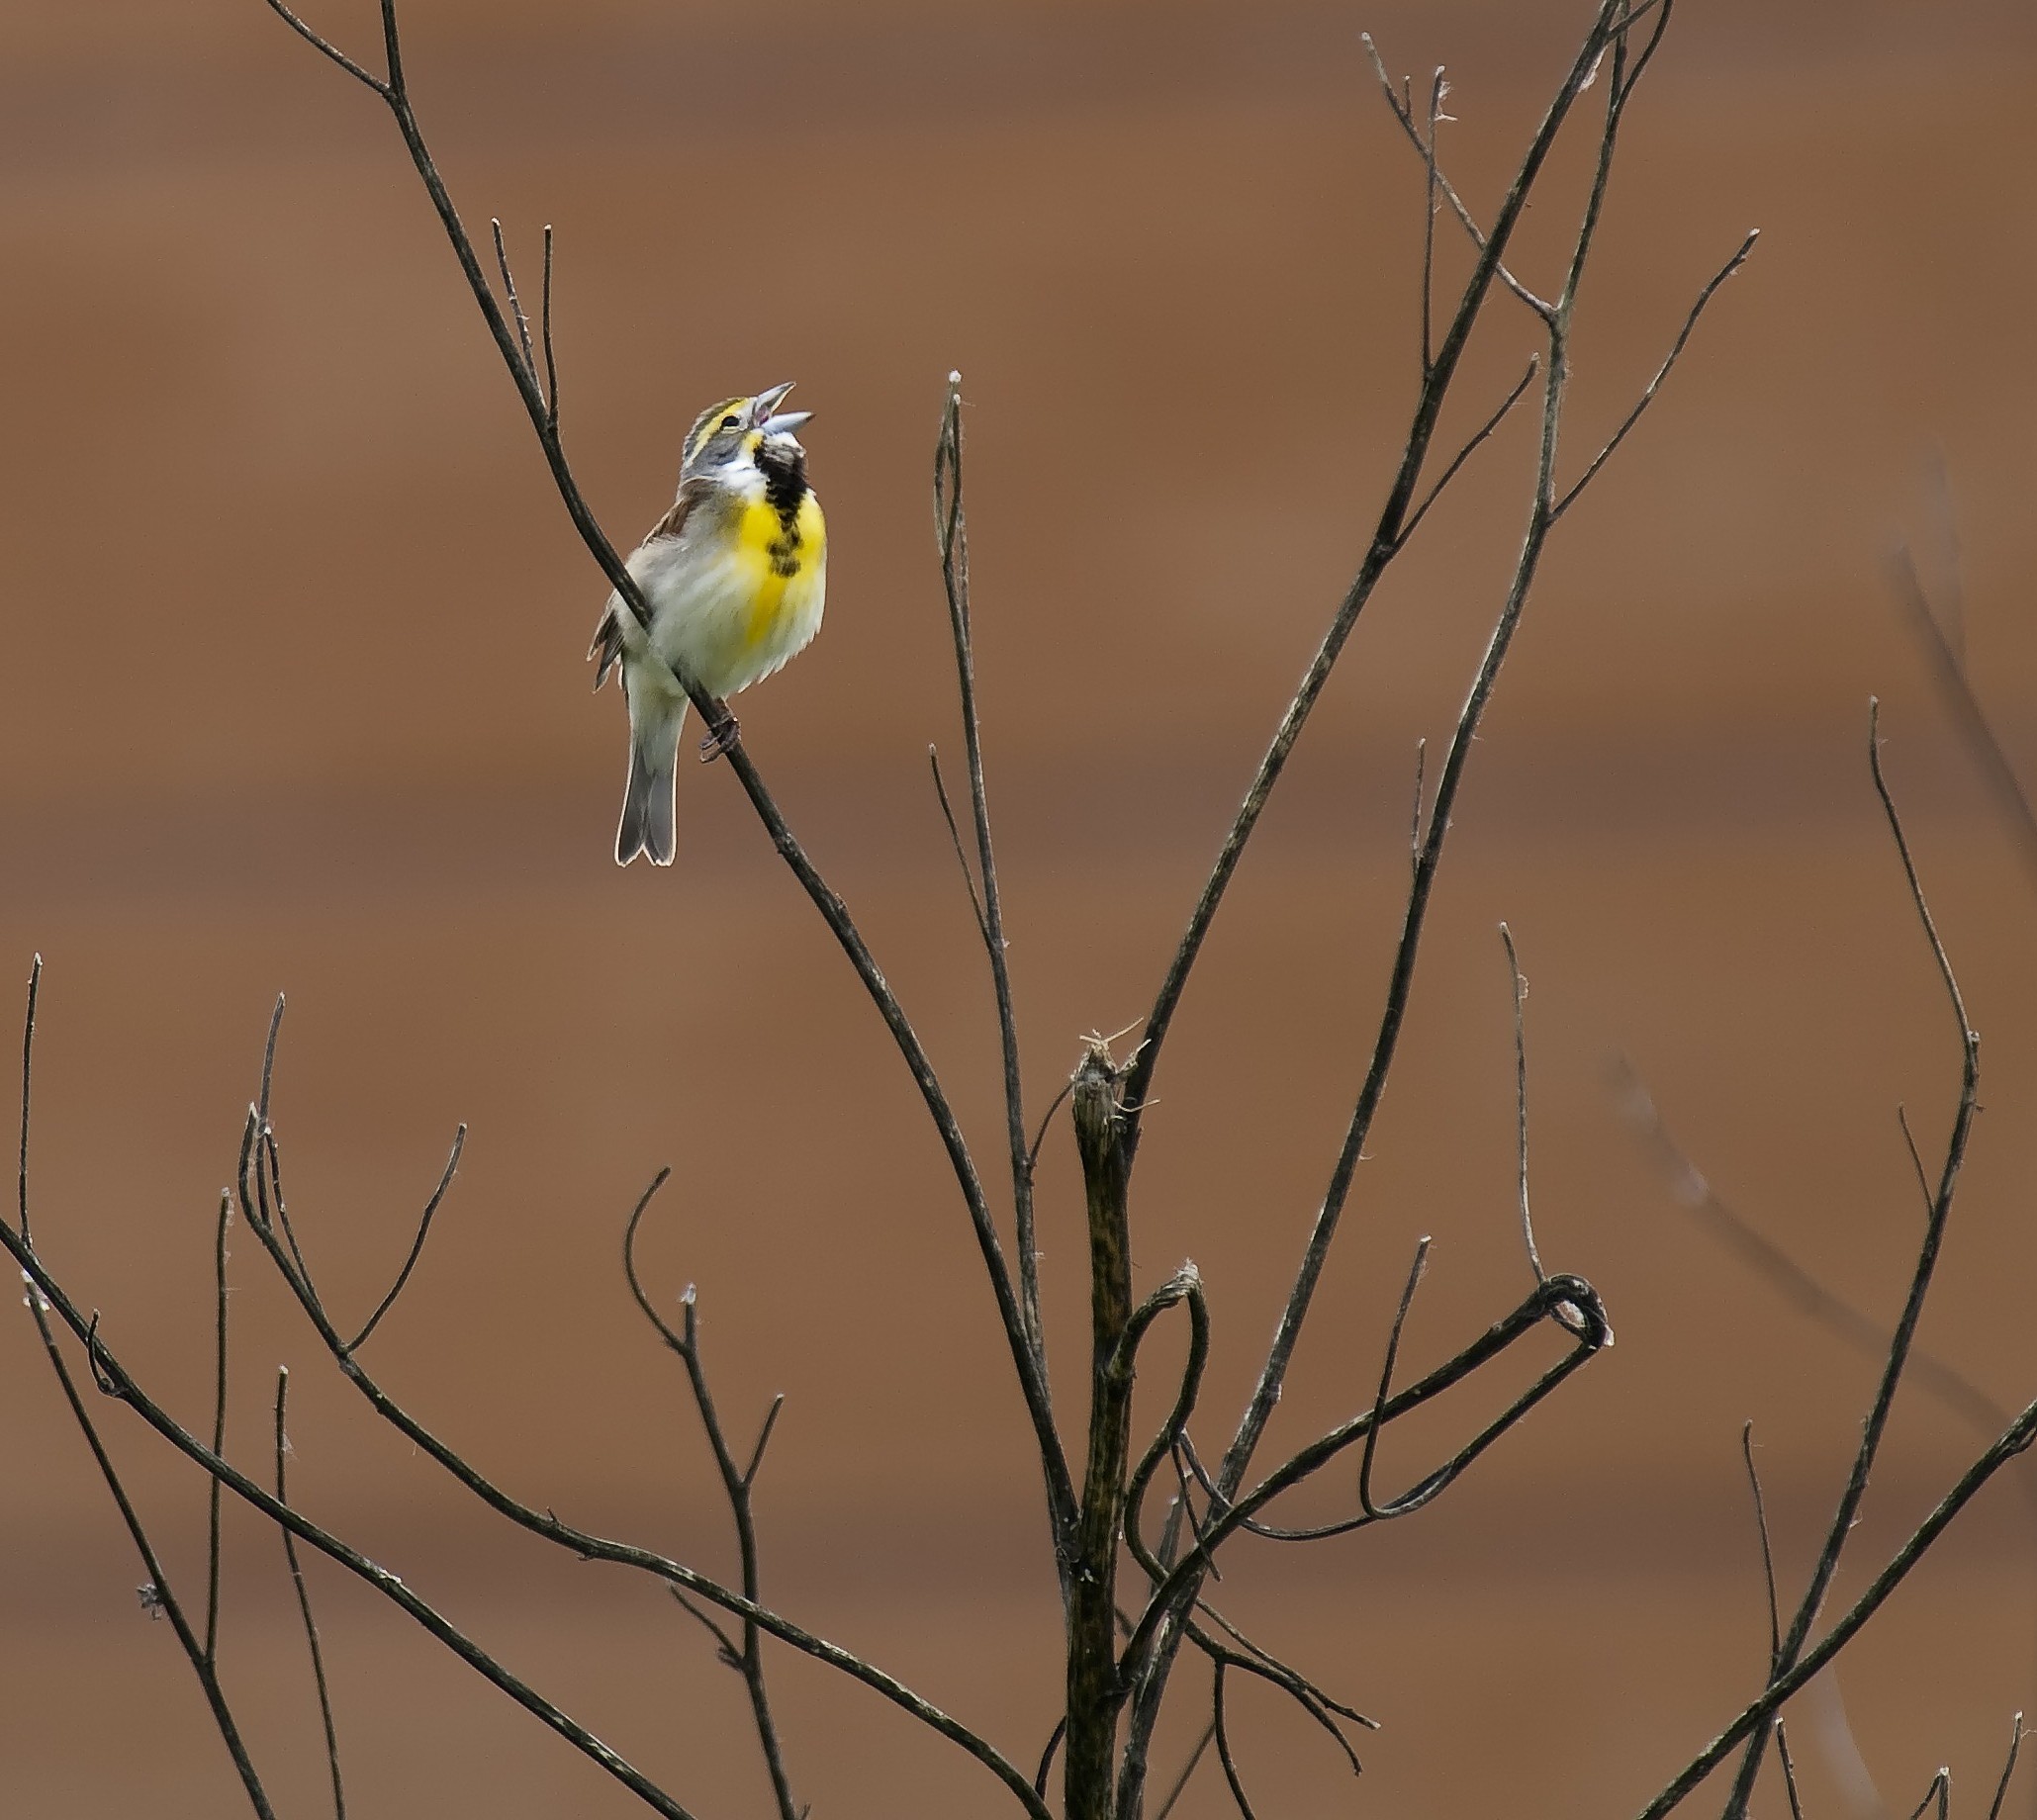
pixel 292 699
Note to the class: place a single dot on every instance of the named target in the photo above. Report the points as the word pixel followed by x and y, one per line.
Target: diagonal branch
pixel 721 726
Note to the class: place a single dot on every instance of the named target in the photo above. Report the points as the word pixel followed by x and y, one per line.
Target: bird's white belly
pixel 721 617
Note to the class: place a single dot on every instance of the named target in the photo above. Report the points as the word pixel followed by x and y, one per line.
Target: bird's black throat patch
pixel 785 481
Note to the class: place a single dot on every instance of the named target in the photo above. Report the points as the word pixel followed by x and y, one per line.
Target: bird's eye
pixel 731 424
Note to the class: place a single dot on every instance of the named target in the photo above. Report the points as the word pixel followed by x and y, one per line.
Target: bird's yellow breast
pixel 778 554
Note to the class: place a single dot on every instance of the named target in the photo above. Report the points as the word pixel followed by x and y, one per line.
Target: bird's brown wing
pixel 607 646
pixel 691 492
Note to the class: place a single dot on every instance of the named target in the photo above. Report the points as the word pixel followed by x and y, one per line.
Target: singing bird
pixel 735 576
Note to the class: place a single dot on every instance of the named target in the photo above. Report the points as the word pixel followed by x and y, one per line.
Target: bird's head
pixel 737 428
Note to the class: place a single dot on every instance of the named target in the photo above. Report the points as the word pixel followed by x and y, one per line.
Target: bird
pixel 735 575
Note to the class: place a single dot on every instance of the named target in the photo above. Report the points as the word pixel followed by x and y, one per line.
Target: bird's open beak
pixel 764 411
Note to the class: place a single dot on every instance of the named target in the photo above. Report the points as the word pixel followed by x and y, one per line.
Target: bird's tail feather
pixel 647 800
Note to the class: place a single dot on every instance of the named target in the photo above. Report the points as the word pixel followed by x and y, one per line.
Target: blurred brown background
pixel 292 699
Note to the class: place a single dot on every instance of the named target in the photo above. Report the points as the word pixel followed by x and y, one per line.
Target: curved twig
pixel 1227 1516
pixel 1393 1348
pixel 1224 1755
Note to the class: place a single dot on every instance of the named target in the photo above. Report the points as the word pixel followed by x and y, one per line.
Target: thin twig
pixel 1519 982
pixel 1393 1349
pixel 1415 813
pixel 328 49
pixel 1654 385
pixel 501 265
pixel 1403 108
pixel 1267 1657
pixel 736 1484
pixel 1223 1757
pixel 1844 1516
pixel 303 1602
pixel 2015 1745
pixel 1046 1121
pixel 1775 1621
pixel 727 1650
pixel 1782 1749
pixel 157 1593
pixel 1481 435
pixel 403 1276
pixel 551 362
pixel 968 877
pixel 1275 1675
pixel 2013 1441
pixel 1917 1160
pixel 28 1075
pixel 1053 1740
pixel 218 1432
pixel 1437 88
pixel 1939 1792
pixel 951 527
pixel 1228 1516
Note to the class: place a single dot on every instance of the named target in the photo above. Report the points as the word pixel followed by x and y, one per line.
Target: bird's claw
pixel 721 740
